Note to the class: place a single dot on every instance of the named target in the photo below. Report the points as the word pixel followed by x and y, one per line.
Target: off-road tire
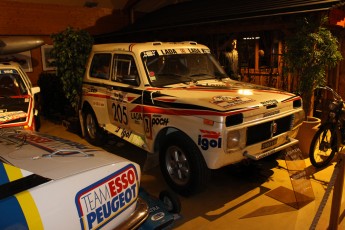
pixel 93 133
pixel 183 165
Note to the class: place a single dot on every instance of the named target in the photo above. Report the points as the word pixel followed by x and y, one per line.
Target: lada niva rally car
pixel 17 95
pixel 175 101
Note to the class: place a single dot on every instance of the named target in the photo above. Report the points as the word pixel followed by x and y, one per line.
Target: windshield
pixel 164 70
pixel 11 84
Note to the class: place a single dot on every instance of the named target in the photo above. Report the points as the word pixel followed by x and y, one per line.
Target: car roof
pixel 145 46
pixel 6 65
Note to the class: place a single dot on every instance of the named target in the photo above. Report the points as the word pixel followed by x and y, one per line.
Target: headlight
pixel 233 140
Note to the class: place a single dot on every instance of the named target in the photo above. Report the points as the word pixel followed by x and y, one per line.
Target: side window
pixel 125 70
pixel 100 66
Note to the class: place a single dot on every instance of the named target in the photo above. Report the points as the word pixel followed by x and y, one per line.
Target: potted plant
pixel 70 52
pixel 309 53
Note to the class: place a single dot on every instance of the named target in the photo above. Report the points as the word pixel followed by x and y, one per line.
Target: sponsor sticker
pixel 10 116
pixel 102 201
pixel 209 139
pixel 158 120
pixel 148 126
pixel 98 103
pixel 8 71
pixel 229 101
pixel 50 143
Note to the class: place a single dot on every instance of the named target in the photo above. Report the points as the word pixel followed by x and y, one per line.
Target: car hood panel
pixel 220 96
pixel 52 157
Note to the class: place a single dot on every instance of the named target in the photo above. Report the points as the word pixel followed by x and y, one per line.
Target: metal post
pixel 337 194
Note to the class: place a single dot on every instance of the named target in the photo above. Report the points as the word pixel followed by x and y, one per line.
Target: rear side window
pixel 100 66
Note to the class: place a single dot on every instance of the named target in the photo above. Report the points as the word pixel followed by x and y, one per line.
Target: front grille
pixel 262 132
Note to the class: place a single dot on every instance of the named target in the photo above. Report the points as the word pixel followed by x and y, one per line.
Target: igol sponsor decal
pixel 209 139
pixel 100 202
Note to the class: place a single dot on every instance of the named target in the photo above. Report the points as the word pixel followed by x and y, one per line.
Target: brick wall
pixel 42 20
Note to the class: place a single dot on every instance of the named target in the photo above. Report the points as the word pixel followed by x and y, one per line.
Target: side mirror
pixel 35 90
pixel 131 79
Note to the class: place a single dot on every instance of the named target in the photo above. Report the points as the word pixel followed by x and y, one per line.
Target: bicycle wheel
pixel 323 146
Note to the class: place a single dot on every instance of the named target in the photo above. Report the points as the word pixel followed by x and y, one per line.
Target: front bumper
pixel 261 155
pixel 137 218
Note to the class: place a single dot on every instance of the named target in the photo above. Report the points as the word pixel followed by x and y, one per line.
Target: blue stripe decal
pixel 12 216
pixel 3 175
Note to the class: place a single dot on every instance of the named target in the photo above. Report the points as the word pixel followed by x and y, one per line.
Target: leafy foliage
pixel 71 50
pixel 310 51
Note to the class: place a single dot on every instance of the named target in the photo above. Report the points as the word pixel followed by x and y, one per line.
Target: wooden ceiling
pixel 144 6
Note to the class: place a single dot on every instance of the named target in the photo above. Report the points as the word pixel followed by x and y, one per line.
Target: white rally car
pixel 17 97
pixel 50 183
pixel 175 101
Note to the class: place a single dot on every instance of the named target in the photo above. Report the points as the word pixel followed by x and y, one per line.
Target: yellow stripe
pixel 25 200
pixel 30 210
pixel 13 173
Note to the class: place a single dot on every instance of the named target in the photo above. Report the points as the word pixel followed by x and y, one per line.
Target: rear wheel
pixel 323 146
pixel 183 165
pixel 93 133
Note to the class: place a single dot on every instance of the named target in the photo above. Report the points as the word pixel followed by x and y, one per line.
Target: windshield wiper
pixel 170 74
pixel 200 75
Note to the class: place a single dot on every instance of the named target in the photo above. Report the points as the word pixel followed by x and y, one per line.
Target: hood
pixel 222 96
pixel 51 157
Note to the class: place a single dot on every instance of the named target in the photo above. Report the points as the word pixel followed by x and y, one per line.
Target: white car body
pixel 50 183
pixel 225 120
pixel 17 97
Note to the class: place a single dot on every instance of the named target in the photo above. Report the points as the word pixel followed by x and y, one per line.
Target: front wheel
pixel 323 146
pixel 183 165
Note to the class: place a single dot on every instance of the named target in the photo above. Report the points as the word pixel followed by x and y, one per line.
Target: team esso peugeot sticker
pixel 102 201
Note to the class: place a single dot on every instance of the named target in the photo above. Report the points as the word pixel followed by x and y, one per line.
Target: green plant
pixel 310 51
pixel 70 52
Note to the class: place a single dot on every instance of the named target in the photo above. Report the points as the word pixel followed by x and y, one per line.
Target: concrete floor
pixel 256 196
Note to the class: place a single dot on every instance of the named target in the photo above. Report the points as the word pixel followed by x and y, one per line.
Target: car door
pixel 123 108
pixel 99 74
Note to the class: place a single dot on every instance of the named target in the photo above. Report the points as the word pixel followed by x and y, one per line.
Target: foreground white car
pixel 50 183
pixel 175 101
